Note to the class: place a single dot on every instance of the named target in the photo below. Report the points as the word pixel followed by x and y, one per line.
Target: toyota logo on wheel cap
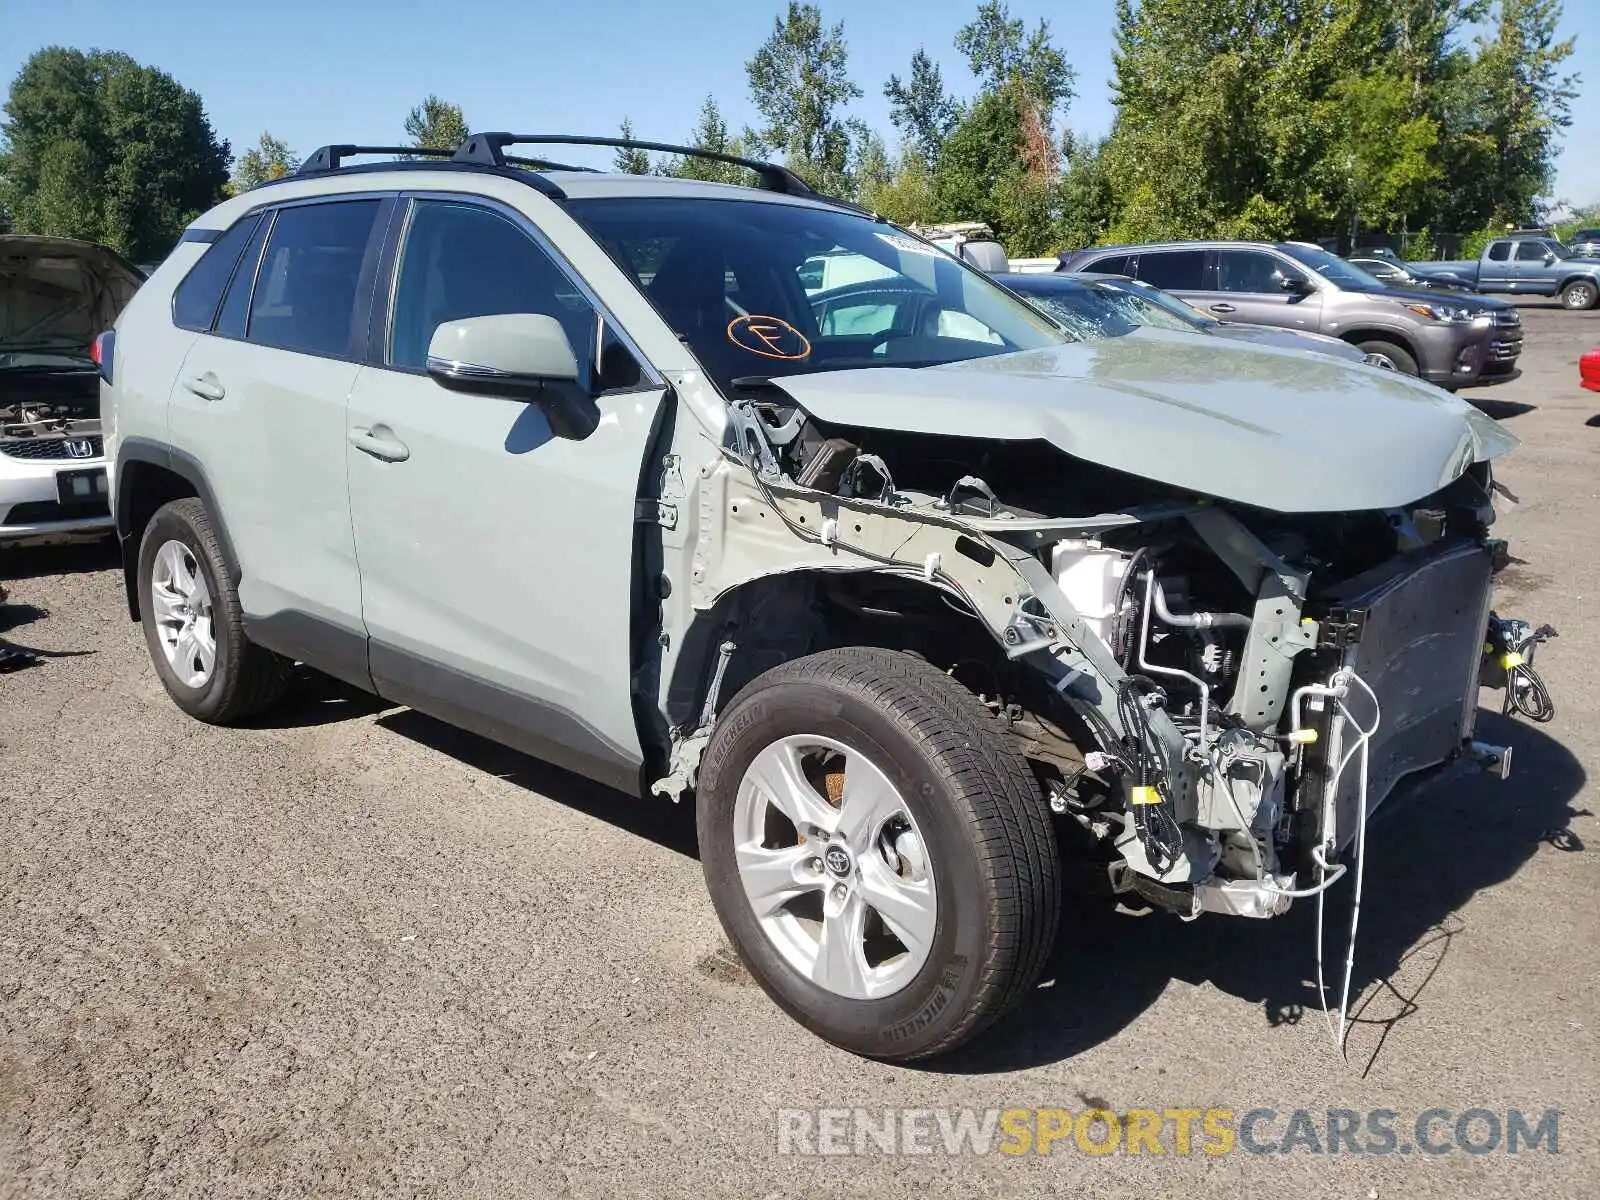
pixel 838 860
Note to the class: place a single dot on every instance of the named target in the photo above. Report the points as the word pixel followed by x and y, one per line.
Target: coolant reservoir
pixel 1091 576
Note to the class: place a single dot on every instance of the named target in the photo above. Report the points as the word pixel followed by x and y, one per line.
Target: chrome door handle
pixel 206 386
pixel 1224 308
pixel 380 443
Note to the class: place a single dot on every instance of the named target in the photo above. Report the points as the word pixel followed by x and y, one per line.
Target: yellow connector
pixel 1302 737
pixel 1510 659
pixel 1145 795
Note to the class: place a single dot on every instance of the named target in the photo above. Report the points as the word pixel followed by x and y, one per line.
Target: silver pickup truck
pixel 1529 266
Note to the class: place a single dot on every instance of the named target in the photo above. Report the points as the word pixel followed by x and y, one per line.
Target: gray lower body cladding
pixel 1416 634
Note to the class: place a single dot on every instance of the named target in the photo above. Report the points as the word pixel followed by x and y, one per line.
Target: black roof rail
pixel 487 149
pixel 331 158
pixel 328 158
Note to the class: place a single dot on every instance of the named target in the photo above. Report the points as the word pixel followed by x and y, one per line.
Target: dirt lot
pixel 356 953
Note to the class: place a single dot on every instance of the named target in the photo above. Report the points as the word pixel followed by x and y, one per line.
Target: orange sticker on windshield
pixel 770 337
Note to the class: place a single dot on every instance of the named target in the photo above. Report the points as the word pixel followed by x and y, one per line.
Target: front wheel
pixel 1389 355
pixel 880 857
pixel 1580 294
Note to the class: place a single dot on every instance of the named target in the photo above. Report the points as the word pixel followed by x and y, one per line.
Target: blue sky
pixel 348 70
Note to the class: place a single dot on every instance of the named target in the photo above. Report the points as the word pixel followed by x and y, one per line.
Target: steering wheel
pixel 889 335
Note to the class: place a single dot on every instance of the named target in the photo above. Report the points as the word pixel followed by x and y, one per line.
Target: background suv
pixel 1454 341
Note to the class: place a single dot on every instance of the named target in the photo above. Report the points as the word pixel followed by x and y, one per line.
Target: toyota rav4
pixel 926 604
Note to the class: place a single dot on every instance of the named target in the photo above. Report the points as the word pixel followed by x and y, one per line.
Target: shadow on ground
pixel 15 656
pixel 318 699
pixel 76 558
pixel 1427 857
pixel 667 824
pixel 1500 410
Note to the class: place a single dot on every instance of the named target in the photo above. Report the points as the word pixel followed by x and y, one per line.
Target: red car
pixel 1589 370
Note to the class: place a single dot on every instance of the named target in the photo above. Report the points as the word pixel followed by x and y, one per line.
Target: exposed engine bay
pixel 56 403
pixel 1214 696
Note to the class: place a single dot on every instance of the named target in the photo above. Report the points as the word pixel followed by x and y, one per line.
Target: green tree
pixel 1000 51
pixel 800 83
pixel 984 175
pixel 1088 200
pixel 711 134
pixel 627 160
pixel 1235 128
pixel 905 195
pixel 270 158
pixel 103 148
pixel 1526 101
pixel 921 109
pixel 1382 158
pixel 436 124
pixel 1001 162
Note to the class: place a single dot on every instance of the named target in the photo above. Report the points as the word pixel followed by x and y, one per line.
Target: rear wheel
pixel 1392 355
pixel 193 624
pixel 1579 295
pixel 877 853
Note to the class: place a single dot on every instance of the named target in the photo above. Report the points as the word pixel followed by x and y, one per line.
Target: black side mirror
pixel 1293 284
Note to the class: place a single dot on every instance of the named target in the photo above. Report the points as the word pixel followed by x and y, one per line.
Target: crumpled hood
pixel 1280 430
pixel 60 292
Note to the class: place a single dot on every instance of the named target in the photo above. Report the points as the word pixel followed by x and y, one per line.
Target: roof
pixel 1195 244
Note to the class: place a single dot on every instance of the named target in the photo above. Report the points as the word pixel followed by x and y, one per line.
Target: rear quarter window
pixel 1112 264
pixel 194 303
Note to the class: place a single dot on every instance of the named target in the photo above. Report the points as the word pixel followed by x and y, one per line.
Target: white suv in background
pixel 56 297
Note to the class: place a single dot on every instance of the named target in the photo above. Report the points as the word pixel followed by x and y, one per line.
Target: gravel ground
pixel 354 952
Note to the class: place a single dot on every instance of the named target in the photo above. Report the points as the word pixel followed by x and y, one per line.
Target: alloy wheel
pixel 834 867
pixel 181 604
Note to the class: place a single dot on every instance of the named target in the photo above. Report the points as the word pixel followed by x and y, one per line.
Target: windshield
pixel 1347 275
pixel 759 289
pixel 1176 314
pixel 1102 309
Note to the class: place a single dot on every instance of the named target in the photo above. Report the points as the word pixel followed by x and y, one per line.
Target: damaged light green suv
pixel 926 602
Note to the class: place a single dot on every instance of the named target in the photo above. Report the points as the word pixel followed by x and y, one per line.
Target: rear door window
pixel 305 293
pixel 194 304
pixel 236 304
pixel 1499 251
pixel 1174 270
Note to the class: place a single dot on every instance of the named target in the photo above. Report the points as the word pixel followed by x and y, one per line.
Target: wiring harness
pixel 1510 646
pixel 1149 796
